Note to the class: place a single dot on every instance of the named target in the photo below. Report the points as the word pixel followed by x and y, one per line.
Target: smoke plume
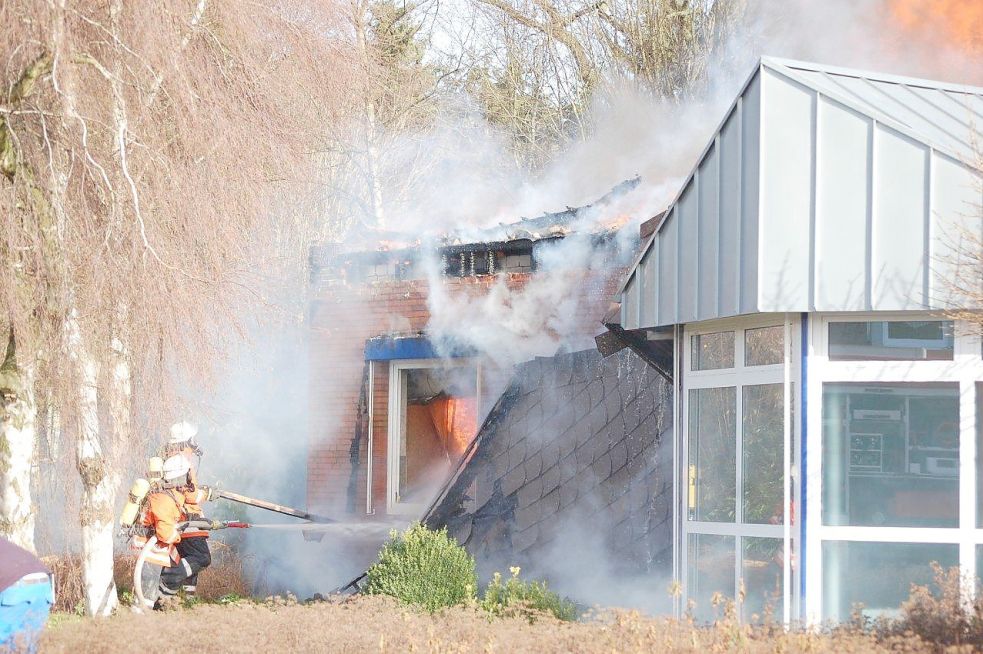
pixel 465 180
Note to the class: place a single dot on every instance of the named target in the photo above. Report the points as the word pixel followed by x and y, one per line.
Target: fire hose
pixel 205 525
pixel 272 506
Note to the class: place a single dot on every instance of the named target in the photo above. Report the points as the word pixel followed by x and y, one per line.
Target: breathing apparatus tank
pixel 138 491
pixel 155 470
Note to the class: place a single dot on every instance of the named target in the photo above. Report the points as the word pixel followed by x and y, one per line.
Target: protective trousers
pixel 195 557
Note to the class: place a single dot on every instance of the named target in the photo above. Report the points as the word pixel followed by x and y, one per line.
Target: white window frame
pixel 908 342
pixel 397 423
pixel 740 376
pixel 966 369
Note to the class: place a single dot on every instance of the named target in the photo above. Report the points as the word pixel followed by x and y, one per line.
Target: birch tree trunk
pixel 99 484
pixel 99 480
pixel 17 440
pixel 369 127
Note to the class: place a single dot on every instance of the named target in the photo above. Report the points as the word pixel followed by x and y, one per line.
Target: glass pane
pixel 878 575
pixel 761 571
pixel 914 340
pixel 711 571
pixel 891 455
pixel 712 454
pixel 713 351
pixel 763 469
pixel 764 346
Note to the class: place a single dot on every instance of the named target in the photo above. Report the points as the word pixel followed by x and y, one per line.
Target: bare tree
pixel 549 58
pixel 395 94
pixel 146 149
pixel 958 270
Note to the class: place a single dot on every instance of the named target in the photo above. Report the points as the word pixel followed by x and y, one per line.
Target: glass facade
pixel 711 574
pixel 911 340
pixel 979 455
pixel 761 573
pixel 891 454
pixel 713 452
pixel 713 351
pixel 877 575
pixel 763 471
pixel 764 346
pixel 894 410
pixel 735 467
pixel 898 402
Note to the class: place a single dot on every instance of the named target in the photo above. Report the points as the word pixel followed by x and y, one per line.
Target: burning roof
pixel 558 224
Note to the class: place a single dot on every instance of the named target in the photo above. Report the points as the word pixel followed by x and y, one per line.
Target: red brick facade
pixel 343 317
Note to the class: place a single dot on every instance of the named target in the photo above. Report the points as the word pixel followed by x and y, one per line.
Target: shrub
pixel 525 598
pixel 423 567
pixel 941 615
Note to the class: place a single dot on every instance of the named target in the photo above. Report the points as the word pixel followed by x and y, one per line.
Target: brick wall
pixel 342 318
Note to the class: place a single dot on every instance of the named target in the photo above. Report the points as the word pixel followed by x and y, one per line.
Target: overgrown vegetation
pixel 431 570
pixel 224 579
pixel 381 624
pixel 425 568
pixel 938 614
pixel 527 599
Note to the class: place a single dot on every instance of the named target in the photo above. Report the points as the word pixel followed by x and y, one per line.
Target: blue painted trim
pixel 389 348
pixel 803 453
pixel 385 348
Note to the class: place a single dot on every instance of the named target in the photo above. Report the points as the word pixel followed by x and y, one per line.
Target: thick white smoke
pixel 460 176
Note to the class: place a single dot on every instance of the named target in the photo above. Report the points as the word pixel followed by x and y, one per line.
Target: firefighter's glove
pixel 211 492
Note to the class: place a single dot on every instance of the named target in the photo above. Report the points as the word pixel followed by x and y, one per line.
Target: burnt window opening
pixel 479 262
pixel 404 270
pixel 433 417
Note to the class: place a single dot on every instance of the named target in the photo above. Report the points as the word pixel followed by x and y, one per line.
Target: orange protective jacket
pixel 164 510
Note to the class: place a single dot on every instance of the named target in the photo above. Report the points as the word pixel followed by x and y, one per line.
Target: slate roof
pixel 575 437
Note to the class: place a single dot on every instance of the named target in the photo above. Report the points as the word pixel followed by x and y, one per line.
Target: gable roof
pixel 822 189
pixel 944 116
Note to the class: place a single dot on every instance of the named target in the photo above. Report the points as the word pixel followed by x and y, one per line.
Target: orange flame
pixel 958 22
pixel 456 419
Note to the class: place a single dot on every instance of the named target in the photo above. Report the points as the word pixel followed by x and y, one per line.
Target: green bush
pixel 423 567
pixel 525 598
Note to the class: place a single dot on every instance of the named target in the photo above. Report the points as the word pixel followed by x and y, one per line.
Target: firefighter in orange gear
pixel 193 543
pixel 166 509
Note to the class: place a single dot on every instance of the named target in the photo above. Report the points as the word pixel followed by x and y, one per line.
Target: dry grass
pixel 224 577
pixel 932 620
pixel 382 625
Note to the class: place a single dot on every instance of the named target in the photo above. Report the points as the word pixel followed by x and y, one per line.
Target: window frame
pixel 965 368
pixel 740 376
pixel 396 423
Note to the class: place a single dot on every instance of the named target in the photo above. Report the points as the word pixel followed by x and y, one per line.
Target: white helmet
pixel 182 432
pixel 176 468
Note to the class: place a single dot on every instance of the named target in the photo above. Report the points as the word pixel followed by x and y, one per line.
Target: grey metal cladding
pixel 824 189
pixel 650 301
pixel 629 304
